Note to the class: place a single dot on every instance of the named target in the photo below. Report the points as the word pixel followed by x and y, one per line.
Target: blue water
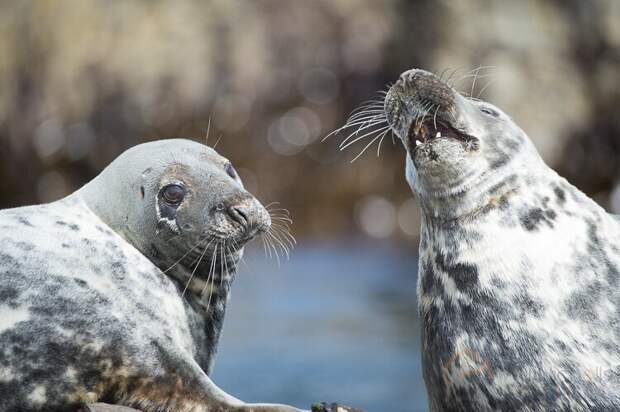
pixel 337 322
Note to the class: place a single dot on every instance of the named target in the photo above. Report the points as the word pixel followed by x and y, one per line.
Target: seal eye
pixel 230 170
pixel 173 194
pixel 489 111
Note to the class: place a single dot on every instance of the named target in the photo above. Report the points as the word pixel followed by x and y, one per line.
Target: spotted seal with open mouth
pixel 519 271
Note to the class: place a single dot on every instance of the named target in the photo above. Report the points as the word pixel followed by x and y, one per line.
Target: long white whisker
pixel 364 149
pixel 195 268
pixel 355 134
pixel 381 140
pixel 211 269
pixel 357 139
pixel 185 255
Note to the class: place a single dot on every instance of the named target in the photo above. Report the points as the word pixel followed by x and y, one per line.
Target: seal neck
pixel 480 192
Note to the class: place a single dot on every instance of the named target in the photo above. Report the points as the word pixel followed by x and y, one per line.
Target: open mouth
pixel 423 132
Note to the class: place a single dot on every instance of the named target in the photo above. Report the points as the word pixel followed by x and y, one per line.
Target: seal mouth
pixel 421 133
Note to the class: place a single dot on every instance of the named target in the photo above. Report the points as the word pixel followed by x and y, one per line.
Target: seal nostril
pixel 239 214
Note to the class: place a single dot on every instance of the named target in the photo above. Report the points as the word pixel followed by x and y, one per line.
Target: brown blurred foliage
pixel 82 81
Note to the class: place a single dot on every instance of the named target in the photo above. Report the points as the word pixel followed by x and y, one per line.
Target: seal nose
pixel 240 213
pixel 249 214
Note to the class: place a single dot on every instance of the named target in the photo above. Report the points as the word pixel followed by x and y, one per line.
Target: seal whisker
pixel 234 247
pixel 208 130
pixel 272 246
pixel 355 137
pixel 279 214
pixel 382 135
pixel 473 83
pixel 281 219
pixel 286 234
pixel 362 114
pixel 363 121
pixel 222 272
pixel 367 103
pixel 366 113
pixel 284 228
pixel 217 141
pixel 357 122
pixel 472 73
pixel 366 109
pixel 365 148
pixel 226 273
pixel 369 117
pixel 358 138
pixel 279 243
pixel 211 277
pixel 484 88
pixel 359 109
pixel 185 255
pixel 435 117
pixel 279 210
pixel 211 269
pixel 420 115
pixel 452 75
pixel 265 248
pixel 195 268
pixel 443 72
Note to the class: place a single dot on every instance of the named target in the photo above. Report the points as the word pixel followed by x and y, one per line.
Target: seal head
pixel 455 145
pixel 176 206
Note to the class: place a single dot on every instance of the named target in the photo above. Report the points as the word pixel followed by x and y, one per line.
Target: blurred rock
pixel 81 83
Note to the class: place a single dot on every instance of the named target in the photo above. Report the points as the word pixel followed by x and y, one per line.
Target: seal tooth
pixel 438 134
pixel 417 142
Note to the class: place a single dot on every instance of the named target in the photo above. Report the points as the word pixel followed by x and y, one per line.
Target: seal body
pixel 117 293
pixel 519 271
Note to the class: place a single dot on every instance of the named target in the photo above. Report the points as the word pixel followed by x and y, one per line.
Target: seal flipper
pixel 184 386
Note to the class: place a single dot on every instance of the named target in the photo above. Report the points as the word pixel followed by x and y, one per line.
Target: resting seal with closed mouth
pixel 117 292
pixel 519 271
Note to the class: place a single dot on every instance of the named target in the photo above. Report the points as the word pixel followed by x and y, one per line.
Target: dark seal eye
pixel 230 170
pixel 173 194
pixel 489 111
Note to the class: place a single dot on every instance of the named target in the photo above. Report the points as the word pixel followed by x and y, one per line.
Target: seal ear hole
pixel 142 191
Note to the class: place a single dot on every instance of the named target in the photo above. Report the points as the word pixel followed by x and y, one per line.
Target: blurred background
pixel 82 81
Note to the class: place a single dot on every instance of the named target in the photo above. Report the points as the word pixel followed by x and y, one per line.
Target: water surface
pixel 337 322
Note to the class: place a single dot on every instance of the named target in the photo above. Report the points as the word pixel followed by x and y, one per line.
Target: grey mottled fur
pixel 86 311
pixel 519 273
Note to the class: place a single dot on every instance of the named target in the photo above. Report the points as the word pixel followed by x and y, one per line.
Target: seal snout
pixel 249 215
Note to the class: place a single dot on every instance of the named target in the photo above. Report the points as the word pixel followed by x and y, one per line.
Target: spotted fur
pixel 519 273
pixel 89 310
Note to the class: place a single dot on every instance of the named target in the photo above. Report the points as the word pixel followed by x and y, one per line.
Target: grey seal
pixel 519 271
pixel 117 293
